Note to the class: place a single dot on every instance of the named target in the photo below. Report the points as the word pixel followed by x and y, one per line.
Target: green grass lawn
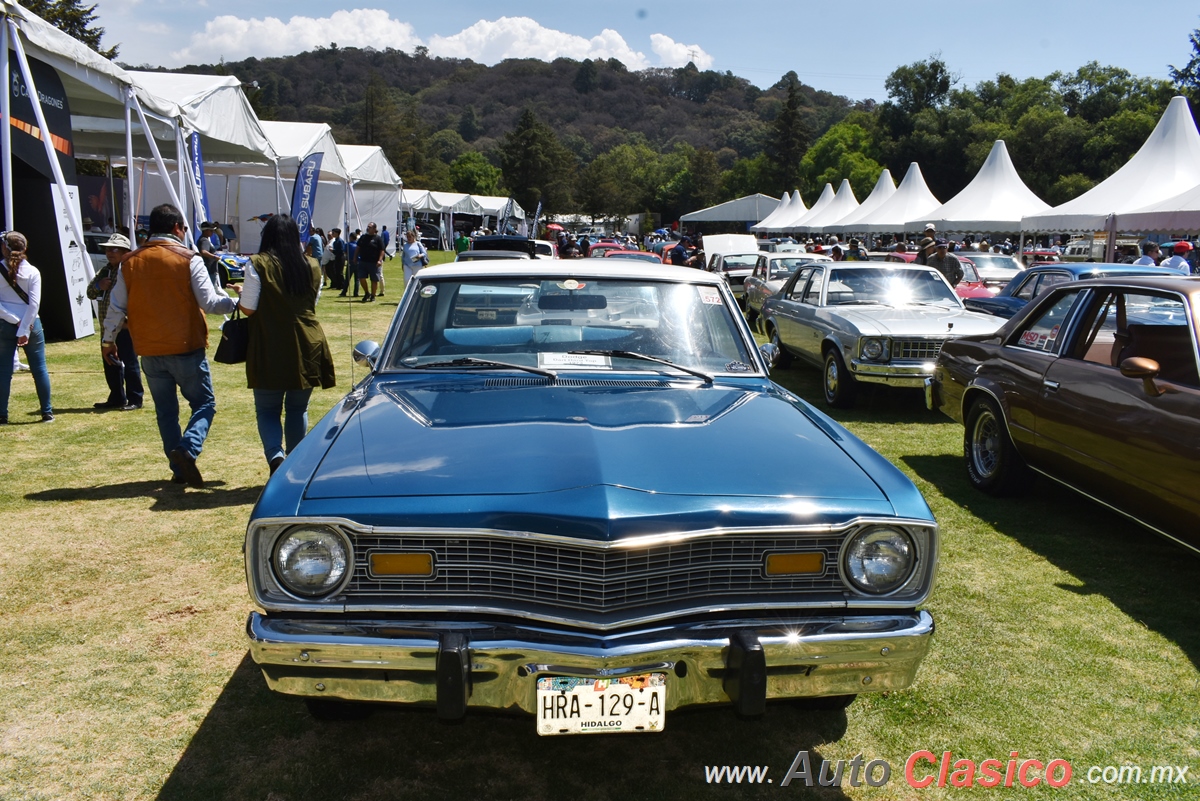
pixel 1063 631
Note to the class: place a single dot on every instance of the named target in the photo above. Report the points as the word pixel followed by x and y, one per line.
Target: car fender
pixel 986 387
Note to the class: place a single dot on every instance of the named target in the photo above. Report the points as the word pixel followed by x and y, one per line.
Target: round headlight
pixel 879 560
pixel 872 349
pixel 311 561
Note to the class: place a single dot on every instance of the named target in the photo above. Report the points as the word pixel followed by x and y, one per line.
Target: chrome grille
pixel 479 569
pixel 916 348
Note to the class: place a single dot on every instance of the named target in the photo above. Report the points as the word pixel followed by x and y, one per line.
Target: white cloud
pixel 233 38
pixel 676 54
pixel 489 42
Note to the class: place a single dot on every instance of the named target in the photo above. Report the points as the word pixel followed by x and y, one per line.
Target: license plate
pixel 571 705
pixel 485 314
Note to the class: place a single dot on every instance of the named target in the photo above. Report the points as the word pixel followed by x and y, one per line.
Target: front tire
pixel 839 385
pixel 993 464
pixel 784 359
pixel 752 316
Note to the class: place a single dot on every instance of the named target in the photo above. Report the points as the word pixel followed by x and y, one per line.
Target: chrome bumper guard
pixel 456 665
pixel 895 375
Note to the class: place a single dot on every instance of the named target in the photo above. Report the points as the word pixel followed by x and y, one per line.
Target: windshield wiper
pixel 471 361
pixel 629 354
pixel 862 303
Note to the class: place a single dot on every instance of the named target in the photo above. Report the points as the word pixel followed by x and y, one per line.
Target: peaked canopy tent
pixel 912 200
pixel 1167 164
pixel 376 186
pixel 885 187
pixel 802 216
pixel 749 209
pixel 995 200
pixel 430 202
pixel 786 204
pixel 843 204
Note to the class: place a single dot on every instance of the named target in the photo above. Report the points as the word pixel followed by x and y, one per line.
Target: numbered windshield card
pixel 709 295
pixel 573 360
pixel 573 705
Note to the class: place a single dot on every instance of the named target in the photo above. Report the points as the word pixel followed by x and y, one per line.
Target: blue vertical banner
pixel 198 177
pixel 304 194
pixel 537 220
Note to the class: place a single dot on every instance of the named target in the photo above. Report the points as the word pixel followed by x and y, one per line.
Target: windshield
pixel 742 262
pixel 990 260
pixel 783 268
pixel 886 287
pixel 538 322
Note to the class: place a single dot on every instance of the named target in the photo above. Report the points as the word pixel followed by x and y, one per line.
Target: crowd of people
pixel 152 302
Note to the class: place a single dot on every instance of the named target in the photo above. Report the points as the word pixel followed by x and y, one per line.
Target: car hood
pixel 424 438
pixel 913 321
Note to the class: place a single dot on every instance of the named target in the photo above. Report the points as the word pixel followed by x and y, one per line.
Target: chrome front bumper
pixel 456 665
pixel 911 374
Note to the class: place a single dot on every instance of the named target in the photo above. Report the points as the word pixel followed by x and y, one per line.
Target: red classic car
pixel 971 285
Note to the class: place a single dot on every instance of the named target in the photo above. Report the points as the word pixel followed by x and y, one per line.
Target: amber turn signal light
pixel 401 564
pixel 788 564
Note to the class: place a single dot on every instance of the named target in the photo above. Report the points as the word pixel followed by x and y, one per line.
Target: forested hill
pixel 427 112
pixel 593 136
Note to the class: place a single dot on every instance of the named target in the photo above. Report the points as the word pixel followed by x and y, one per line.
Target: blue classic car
pixel 517 509
pixel 1029 284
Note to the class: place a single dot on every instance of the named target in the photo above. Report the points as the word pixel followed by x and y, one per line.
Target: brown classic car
pixel 1096 385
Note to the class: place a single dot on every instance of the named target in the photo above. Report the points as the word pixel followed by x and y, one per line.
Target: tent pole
pixel 6 133
pixel 280 194
pixel 1110 249
pixel 130 205
pixel 51 155
pixel 181 171
pixel 158 159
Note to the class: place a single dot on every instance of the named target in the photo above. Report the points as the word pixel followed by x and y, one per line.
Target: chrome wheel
pixel 839 384
pixel 985 443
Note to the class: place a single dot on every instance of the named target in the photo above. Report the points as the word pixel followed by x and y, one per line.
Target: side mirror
pixel 366 353
pixel 770 352
pixel 1145 369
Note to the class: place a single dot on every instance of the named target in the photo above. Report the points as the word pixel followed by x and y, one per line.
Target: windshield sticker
pixel 1029 339
pixel 428 291
pixel 573 360
pixel 571 284
pixel 709 295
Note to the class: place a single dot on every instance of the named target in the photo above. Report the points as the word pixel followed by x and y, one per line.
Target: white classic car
pixel 770 273
pixel 882 324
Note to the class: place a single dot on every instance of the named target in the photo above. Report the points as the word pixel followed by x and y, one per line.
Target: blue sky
pixel 846 48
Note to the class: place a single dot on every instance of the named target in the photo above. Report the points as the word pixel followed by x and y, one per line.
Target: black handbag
pixel 235 339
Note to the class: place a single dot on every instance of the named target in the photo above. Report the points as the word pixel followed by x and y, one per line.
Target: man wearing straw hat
pixel 123 375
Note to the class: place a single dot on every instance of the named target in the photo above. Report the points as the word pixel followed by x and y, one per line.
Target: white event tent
pixel 493 206
pixel 912 199
pixel 787 205
pixel 1175 214
pixel 885 187
pixel 1167 164
pixel 995 200
pixel 231 137
pixel 801 216
pixel 751 208
pixel 374 186
pixel 843 205
pixel 95 88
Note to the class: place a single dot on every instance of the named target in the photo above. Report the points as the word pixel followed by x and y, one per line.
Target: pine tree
pixel 1187 77
pixel 536 165
pixel 74 19
pixel 789 142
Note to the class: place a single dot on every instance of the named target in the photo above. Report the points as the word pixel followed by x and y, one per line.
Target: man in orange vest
pixel 162 292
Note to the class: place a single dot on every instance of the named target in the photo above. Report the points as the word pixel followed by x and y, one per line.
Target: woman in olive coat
pixel 287 354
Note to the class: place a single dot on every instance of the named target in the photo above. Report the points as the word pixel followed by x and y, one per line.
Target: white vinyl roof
pixel 912 200
pixel 995 200
pixel 885 187
pixel 214 107
pixel 368 165
pixel 789 209
pixel 1180 213
pixel 295 141
pixel 802 216
pixel 843 204
pixel 1167 164
pixel 750 208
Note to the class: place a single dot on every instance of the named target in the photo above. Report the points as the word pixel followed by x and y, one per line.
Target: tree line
pixel 595 137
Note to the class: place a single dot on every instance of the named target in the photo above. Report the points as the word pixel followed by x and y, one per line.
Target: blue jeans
pixel 269 407
pixel 189 373
pixel 35 352
pixel 124 383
